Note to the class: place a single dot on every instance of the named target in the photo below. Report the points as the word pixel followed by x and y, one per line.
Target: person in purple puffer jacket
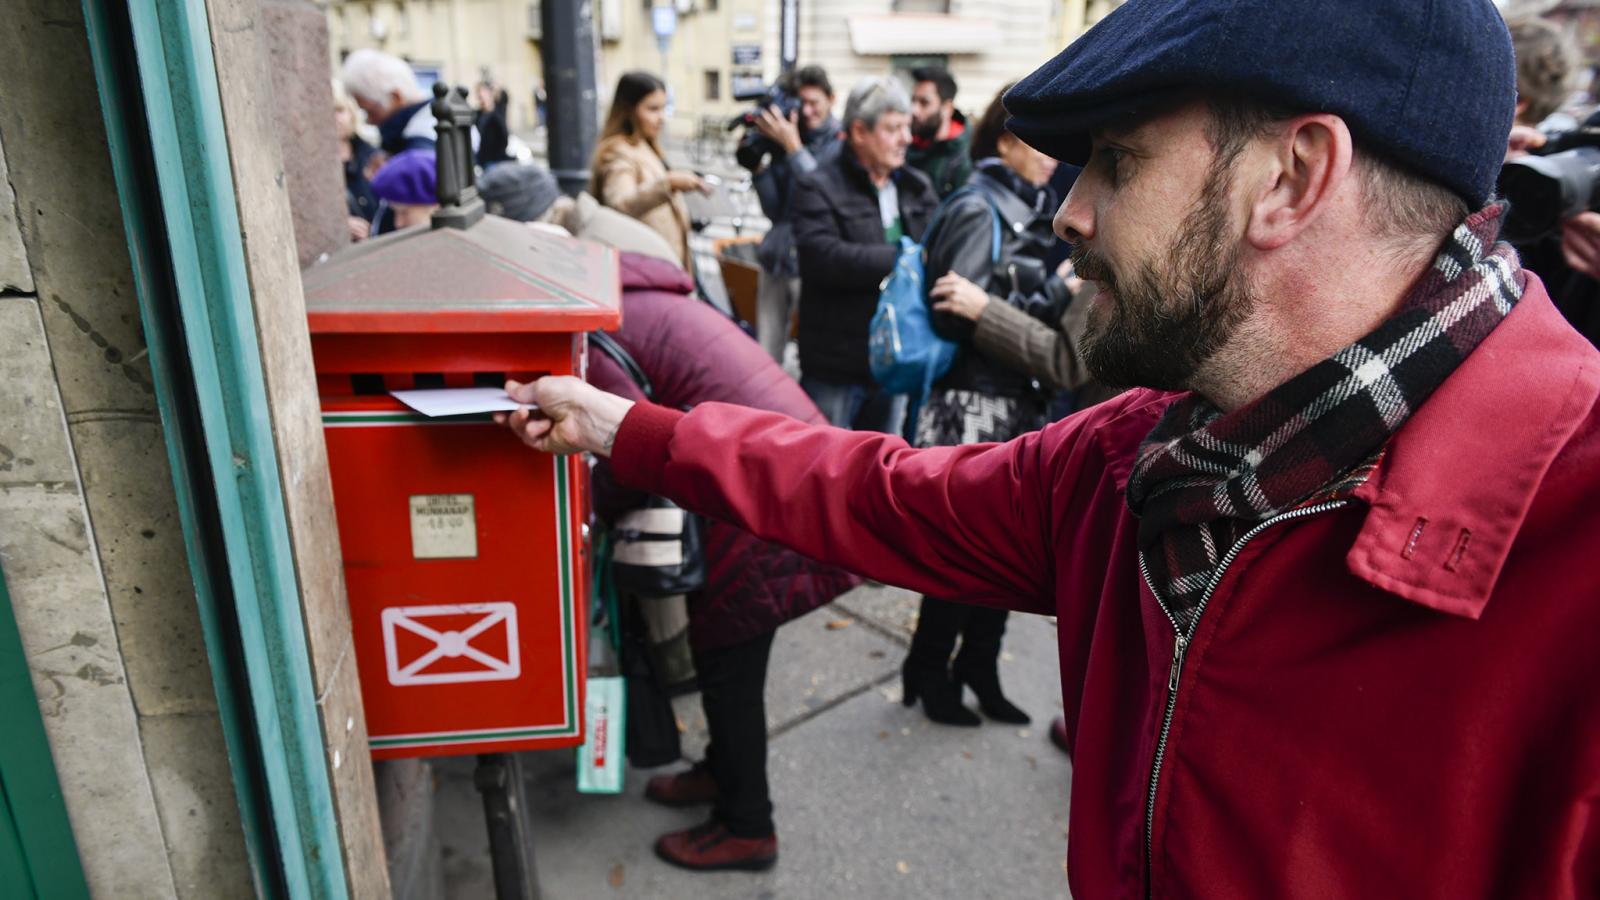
pixel 693 354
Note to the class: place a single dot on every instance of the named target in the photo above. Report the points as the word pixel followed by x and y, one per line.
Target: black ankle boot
pixel 926 672
pixel 941 698
pixel 984 679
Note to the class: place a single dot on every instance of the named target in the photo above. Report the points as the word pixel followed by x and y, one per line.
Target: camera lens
pixel 1535 202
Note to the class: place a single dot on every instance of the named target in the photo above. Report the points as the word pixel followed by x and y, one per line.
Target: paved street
pixel 873 801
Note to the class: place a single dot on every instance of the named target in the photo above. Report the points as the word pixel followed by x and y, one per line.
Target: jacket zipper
pixel 1180 648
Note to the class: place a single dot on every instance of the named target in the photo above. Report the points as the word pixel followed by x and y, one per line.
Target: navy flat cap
pixel 1431 84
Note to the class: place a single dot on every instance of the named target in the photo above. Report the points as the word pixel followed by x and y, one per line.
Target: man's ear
pixel 1307 163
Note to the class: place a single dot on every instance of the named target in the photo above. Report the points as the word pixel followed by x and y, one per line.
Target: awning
pixel 921 33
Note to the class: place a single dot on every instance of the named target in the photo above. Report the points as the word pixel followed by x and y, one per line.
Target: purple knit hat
pixel 408 178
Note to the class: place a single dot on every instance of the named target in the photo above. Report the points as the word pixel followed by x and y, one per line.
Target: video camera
pixel 1555 183
pixel 774 97
pixel 755 146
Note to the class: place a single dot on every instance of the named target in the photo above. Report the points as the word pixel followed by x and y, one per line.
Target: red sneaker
pixel 710 847
pixel 689 788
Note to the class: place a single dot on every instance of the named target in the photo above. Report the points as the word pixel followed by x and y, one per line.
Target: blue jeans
pixel 862 407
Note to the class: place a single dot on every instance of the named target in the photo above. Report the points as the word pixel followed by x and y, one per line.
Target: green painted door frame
pixel 38 857
pixel 163 116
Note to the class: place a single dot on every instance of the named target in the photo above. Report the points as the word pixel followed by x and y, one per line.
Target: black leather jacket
pixel 844 257
pixel 963 244
pixel 775 184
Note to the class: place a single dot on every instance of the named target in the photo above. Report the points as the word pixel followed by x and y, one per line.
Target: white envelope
pixel 449 644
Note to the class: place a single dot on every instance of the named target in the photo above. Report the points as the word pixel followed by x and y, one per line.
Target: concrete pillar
pixel 243 54
pixel 296 36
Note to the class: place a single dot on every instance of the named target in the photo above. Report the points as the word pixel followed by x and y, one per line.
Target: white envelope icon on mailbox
pixel 451 630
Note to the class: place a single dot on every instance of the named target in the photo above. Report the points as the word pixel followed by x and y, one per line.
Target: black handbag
pixel 659 548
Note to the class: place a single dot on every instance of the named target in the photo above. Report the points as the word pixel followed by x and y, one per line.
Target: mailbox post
pixel 466 554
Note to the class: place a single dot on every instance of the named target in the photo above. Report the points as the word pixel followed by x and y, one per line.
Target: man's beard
pixel 925 130
pixel 1160 324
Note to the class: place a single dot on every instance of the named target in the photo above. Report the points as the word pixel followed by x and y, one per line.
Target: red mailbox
pixel 465 553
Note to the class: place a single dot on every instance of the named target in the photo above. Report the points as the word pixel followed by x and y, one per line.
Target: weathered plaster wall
pixel 89 534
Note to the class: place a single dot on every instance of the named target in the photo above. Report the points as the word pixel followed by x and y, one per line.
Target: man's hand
pixel 783 132
pixel 957 296
pixel 1580 243
pixel 1069 276
pixel 1523 140
pixel 571 415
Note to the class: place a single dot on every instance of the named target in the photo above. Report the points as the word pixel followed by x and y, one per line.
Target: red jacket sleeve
pixel 968 523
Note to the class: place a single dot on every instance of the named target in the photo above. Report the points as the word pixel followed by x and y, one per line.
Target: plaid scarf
pixel 1203 477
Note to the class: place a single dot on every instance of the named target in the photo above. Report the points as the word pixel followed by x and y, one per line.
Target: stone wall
pixel 296 37
pixel 89 535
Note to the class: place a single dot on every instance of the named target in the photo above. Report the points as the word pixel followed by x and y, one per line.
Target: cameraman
pixel 1568 261
pixel 778 150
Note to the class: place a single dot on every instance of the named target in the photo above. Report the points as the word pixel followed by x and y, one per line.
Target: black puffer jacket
pixel 964 244
pixel 844 258
pixel 775 187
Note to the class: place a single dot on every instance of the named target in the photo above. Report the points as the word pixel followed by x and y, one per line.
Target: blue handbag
pixel 905 353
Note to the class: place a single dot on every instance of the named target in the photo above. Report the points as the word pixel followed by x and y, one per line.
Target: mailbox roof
pixel 496 276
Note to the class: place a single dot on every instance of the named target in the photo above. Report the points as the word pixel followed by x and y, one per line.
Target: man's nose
pixel 1074 221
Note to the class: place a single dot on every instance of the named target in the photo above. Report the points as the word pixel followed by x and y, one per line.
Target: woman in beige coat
pixel 630 173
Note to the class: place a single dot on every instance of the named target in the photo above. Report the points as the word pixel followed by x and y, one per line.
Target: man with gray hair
pixel 849 215
pixel 387 91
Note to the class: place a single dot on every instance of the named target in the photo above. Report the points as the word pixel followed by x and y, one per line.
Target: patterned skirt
pixel 952 417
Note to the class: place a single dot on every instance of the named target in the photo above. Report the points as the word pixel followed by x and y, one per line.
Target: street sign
pixel 747 84
pixel 664 19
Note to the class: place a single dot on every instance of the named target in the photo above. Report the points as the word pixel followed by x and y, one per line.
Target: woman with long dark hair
pixel 630 172
pixel 982 399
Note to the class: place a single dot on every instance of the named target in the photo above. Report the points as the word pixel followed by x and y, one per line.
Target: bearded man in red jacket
pixel 1326 604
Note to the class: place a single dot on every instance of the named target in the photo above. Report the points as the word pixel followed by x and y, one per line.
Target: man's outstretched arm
pixel 966 523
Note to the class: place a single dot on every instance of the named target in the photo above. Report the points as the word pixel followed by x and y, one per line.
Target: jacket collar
pixel 1456 481
pixel 393 129
pixel 1018 214
pixel 826 133
pixel 853 169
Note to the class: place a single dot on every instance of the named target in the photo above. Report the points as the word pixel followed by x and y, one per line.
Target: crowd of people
pixel 1262 251
pixel 839 193
pixel 386 140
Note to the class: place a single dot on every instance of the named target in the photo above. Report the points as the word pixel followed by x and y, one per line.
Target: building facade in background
pixel 720 45
pixel 460 41
pixel 984 43
pixel 708 51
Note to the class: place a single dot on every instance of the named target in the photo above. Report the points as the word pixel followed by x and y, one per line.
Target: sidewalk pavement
pixel 872 800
